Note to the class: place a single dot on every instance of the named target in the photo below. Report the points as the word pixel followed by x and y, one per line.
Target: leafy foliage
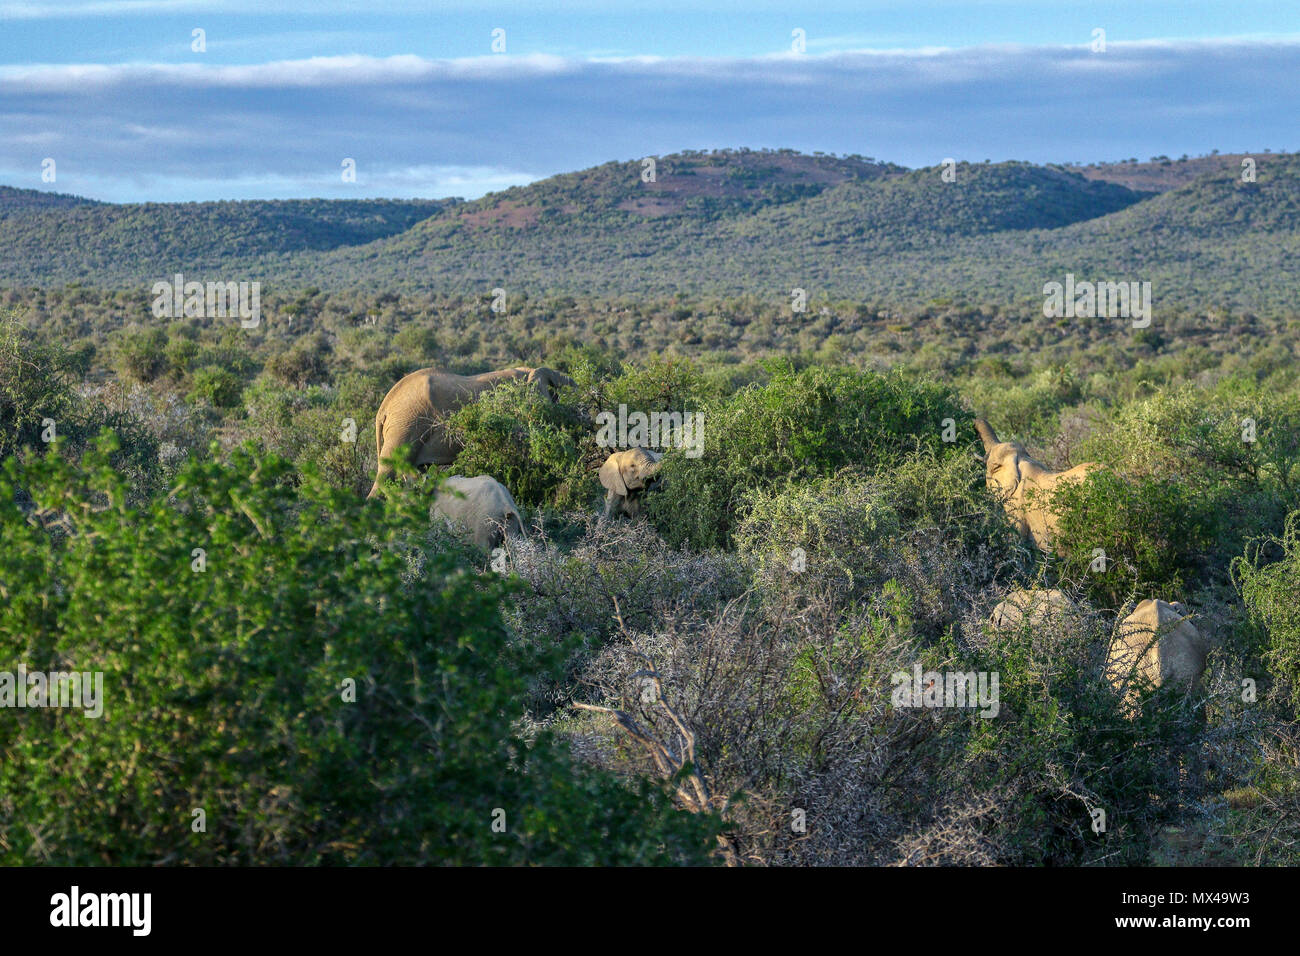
pixel 229 619
pixel 800 424
pixel 1271 591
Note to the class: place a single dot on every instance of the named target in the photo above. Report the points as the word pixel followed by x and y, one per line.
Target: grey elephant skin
pixel 1039 607
pixel 415 410
pixel 481 507
pixel 1157 644
pixel 1025 486
pixel 626 477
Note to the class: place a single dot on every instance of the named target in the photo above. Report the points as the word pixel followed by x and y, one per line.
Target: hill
pixel 49 238
pixel 736 222
pixel 1162 173
pixel 715 223
pixel 28 200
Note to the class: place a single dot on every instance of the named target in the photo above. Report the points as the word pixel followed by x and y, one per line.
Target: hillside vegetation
pixel 336 680
pixel 729 223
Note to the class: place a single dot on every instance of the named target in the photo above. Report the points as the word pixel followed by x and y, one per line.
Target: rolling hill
pixel 729 222
pixel 49 237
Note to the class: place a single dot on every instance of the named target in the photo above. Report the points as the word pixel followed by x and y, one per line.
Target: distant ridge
pixel 16 200
pixel 732 222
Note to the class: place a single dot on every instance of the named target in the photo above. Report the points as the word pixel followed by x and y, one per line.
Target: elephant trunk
pixel 986 433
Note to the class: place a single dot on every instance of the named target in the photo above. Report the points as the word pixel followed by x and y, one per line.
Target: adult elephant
pixel 415 410
pixel 1025 485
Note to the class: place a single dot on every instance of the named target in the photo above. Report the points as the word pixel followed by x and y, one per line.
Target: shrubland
pixel 711 681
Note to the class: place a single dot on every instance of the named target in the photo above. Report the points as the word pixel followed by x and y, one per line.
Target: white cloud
pixel 425 127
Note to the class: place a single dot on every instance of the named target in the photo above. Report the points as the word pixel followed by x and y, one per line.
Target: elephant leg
pixel 611 502
pixel 387 450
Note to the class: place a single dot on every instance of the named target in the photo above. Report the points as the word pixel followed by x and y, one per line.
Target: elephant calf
pixel 627 476
pixel 414 410
pixel 484 508
pixel 1024 485
pixel 1038 606
pixel 1158 644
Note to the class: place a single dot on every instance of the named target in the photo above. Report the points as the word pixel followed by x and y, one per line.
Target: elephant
pixel 627 476
pixel 1158 644
pixel 1039 606
pixel 413 411
pixel 1016 478
pixel 484 508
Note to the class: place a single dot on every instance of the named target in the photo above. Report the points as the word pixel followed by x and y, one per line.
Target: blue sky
pixel 284 92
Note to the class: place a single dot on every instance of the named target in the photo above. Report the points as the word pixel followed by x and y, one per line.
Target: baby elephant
pixel 627 476
pixel 1156 643
pixel 487 512
pixel 1024 485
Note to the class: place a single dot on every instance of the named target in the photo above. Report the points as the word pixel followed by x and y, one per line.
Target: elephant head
pixel 548 383
pixel 1024 485
pixel 626 476
pixel 1001 460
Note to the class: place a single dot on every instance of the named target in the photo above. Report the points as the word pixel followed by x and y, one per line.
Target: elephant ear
pixel 640 466
pixel 559 379
pixel 611 475
pixel 1003 464
pixel 548 382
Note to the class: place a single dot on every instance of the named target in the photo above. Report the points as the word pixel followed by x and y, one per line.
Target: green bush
pixel 36 384
pixel 1023 403
pixel 528 444
pixel 216 386
pixel 1271 592
pixel 926 524
pixel 1154 532
pixel 1061 747
pixel 801 424
pixel 1202 437
pixel 310 426
pixel 1236 451
pixel 843 528
pixel 140 355
pixel 226 686
pixel 306 363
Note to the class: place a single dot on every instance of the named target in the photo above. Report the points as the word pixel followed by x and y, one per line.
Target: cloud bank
pixel 424 127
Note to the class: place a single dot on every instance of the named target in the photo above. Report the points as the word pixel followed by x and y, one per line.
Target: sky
pixel 118 101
